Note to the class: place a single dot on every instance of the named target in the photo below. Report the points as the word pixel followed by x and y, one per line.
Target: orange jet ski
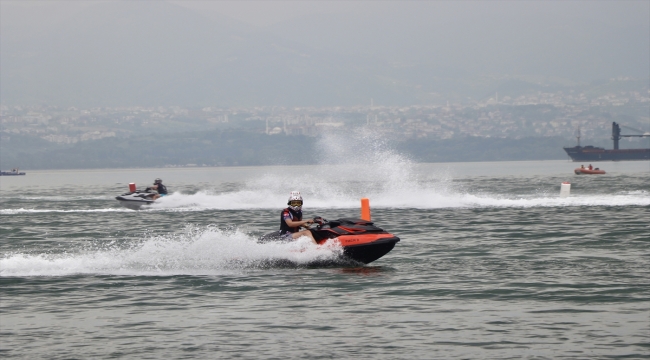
pixel 361 240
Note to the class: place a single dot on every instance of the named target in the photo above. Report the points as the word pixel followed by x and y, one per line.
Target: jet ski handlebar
pixel 320 222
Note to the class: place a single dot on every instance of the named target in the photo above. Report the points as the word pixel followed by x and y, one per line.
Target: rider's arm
pixel 293 223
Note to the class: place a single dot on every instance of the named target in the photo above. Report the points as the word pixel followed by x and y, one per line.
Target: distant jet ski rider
pixel 291 219
pixel 159 187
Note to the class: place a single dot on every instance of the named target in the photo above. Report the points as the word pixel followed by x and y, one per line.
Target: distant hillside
pixel 233 147
pixel 486 149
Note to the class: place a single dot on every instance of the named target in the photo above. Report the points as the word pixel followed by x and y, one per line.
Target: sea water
pixel 492 263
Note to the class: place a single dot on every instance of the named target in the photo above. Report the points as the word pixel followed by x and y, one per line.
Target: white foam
pixel 422 198
pixel 207 251
pixel 360 164
pixel 40 211
pixel 59 198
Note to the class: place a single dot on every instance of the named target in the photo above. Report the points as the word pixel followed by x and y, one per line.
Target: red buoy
pixel 132 187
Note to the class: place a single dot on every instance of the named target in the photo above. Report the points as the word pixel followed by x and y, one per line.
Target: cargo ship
pixel 592 153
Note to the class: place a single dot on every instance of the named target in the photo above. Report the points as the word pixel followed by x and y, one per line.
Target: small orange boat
pixel 586 171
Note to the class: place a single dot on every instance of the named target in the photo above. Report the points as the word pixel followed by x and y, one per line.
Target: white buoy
pixel 565 189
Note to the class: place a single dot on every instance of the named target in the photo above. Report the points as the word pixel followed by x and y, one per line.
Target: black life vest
pixel 284 228
pixel 162 189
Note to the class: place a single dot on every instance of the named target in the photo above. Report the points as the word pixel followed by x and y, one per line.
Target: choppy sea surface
pixel 492 263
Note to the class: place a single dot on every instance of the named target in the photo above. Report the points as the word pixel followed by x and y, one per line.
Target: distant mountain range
pixel 158 53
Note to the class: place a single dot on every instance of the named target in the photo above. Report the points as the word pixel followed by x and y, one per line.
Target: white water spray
pixel 207 251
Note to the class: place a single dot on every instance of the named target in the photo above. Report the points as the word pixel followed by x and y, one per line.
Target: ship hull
pixel 590 153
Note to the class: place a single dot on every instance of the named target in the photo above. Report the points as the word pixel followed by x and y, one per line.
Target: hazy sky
pixel 306 50
pixel 262 13
pixel 268 12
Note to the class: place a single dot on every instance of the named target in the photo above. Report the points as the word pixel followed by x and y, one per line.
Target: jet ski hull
pixel 135 200
pixel 370 251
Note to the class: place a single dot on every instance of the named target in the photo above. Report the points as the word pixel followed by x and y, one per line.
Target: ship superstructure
pixel 592 153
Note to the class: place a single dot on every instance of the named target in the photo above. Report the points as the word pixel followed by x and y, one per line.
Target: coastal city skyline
pixel 533 114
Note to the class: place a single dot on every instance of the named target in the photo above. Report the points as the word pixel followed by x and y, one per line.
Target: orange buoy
pixel 365 209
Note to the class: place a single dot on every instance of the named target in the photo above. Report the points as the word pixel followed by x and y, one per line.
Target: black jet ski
pixel 361 240
pixel 136 199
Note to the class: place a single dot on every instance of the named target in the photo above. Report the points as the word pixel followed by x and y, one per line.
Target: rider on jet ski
pixel 291 219
pixel 159 187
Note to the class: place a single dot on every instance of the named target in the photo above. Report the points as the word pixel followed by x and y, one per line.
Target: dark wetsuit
pixel 162 189
pixel 290 214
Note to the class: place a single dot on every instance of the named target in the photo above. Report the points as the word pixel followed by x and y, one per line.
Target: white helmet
pixel 295 201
